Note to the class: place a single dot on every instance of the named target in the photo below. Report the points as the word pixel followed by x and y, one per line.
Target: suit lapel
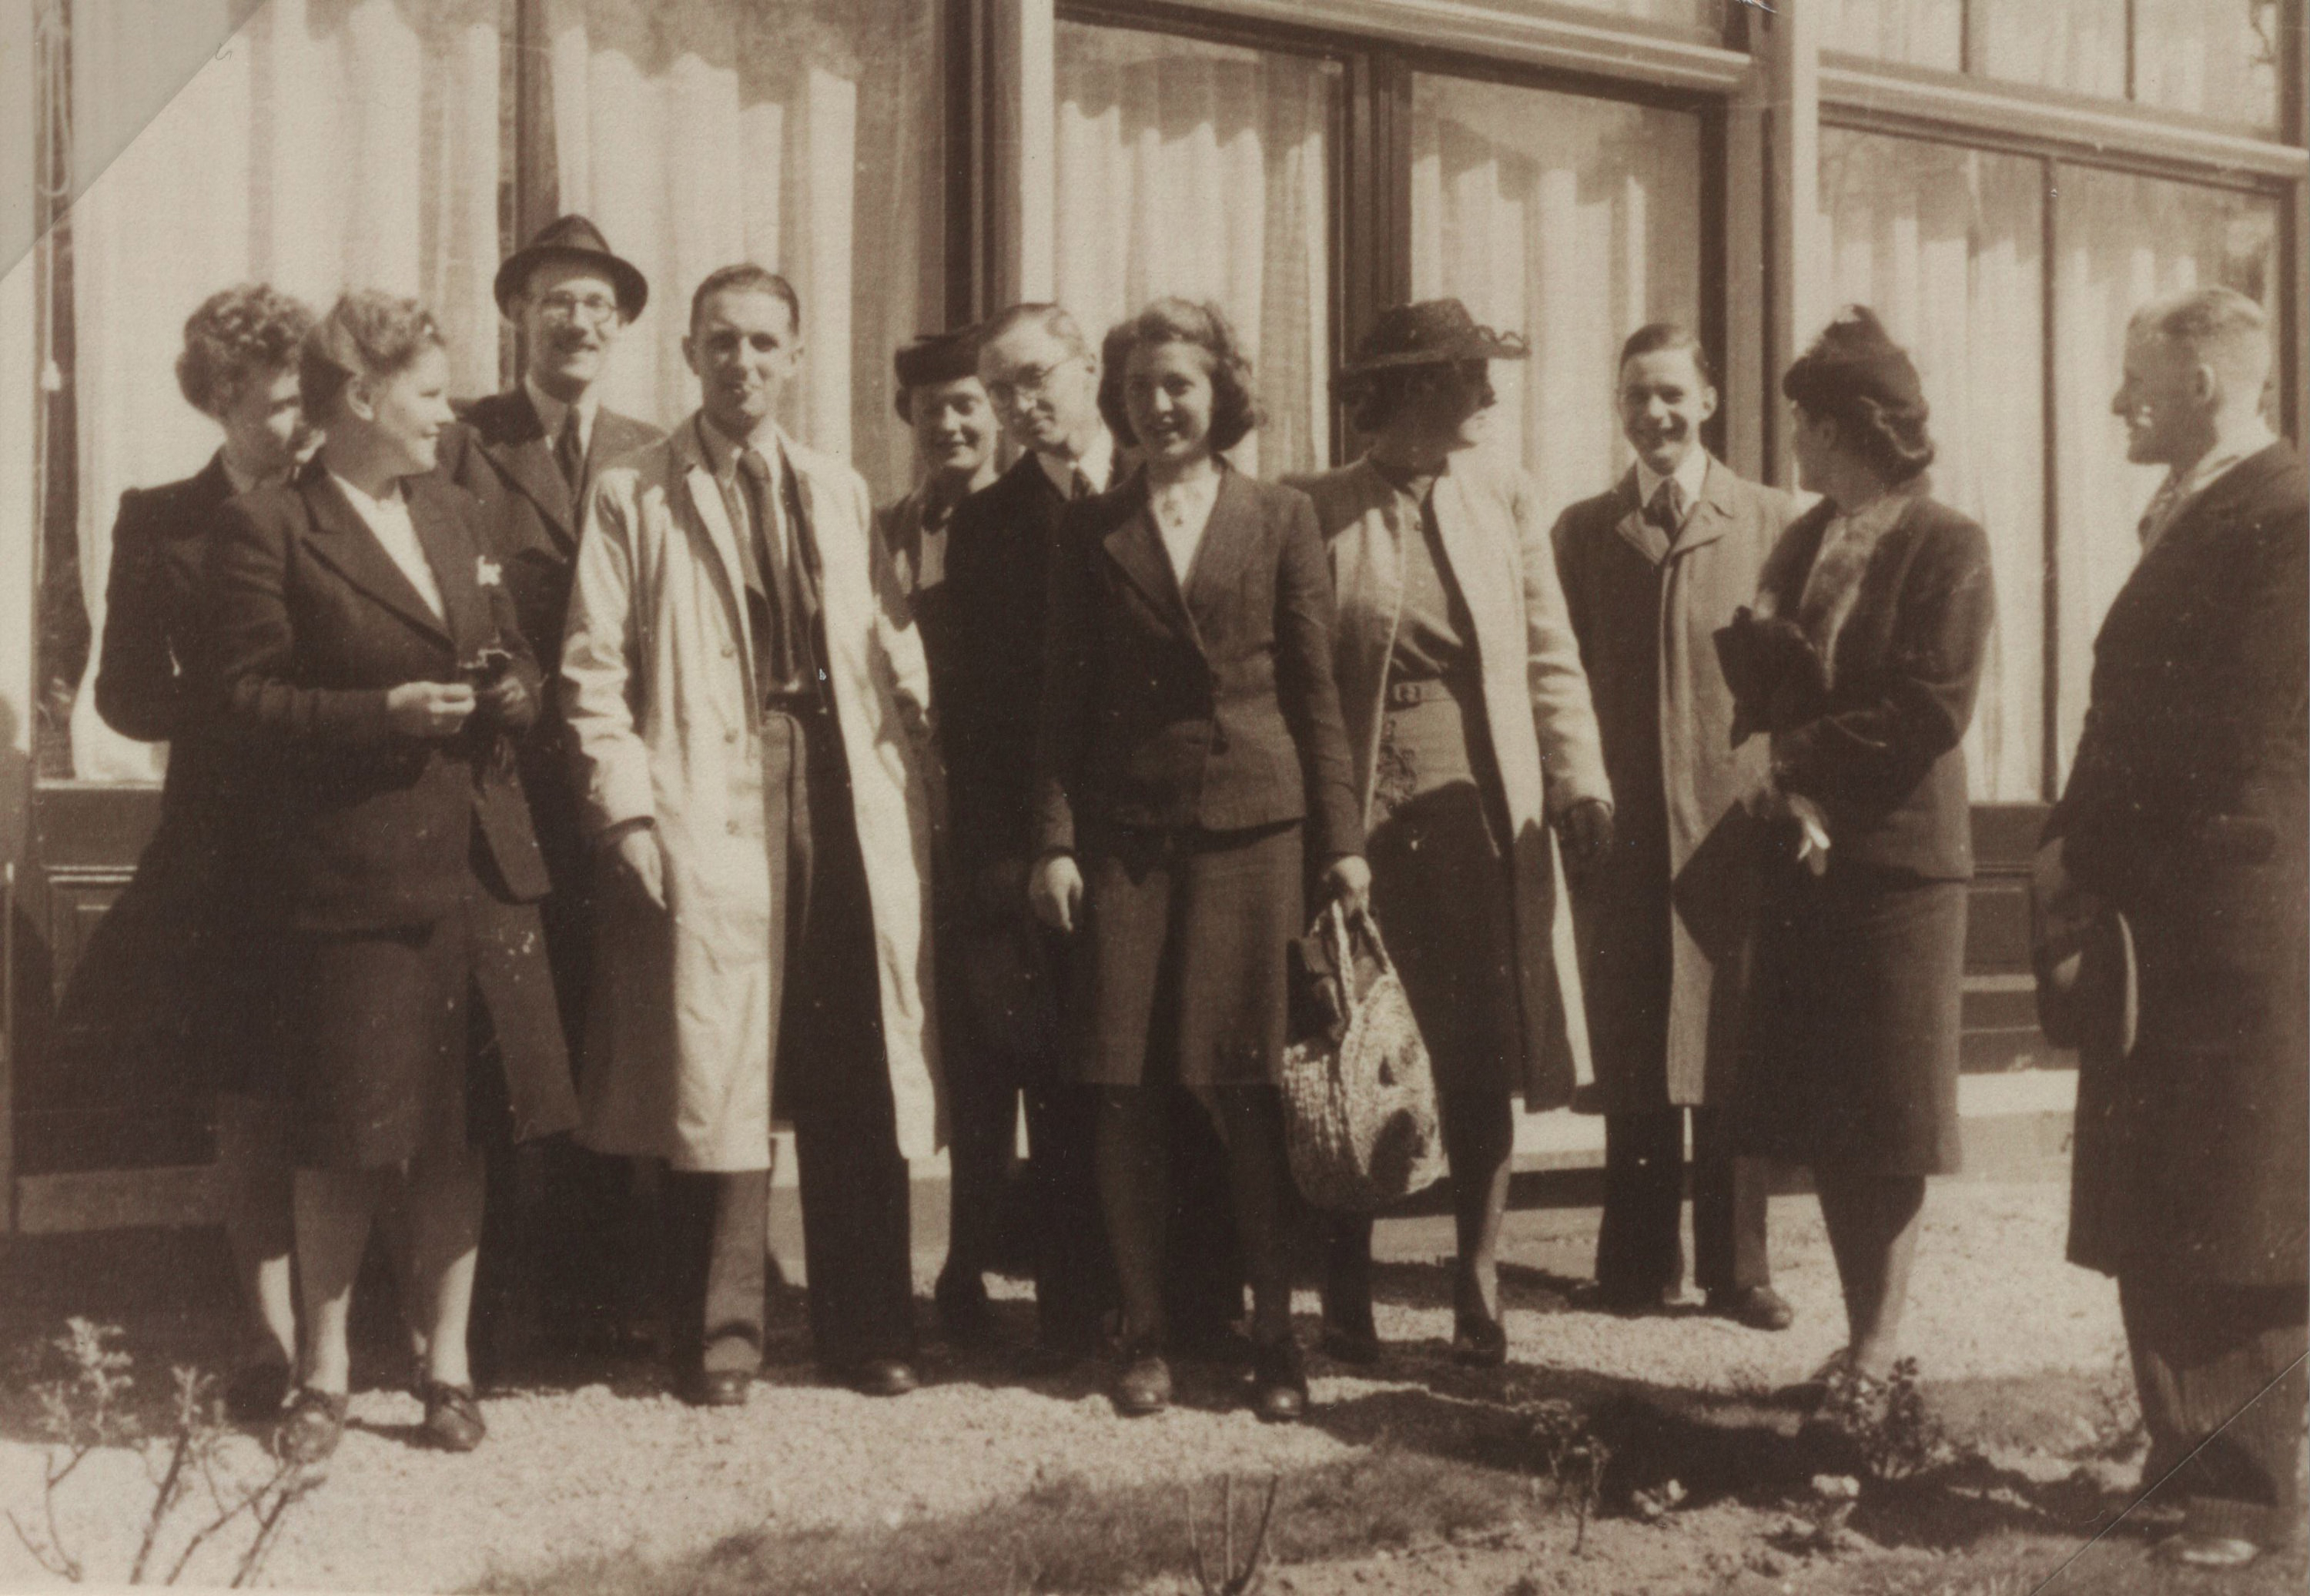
pixel 347 545
pixel 1470 553
pixel 1227 543
pixel 1137 547
pixel 706 502
pixel 1710 514
pixel 451 555
pixel 1629 524
pixel 513 441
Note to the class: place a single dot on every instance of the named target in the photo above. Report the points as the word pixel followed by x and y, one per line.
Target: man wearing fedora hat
pixel 528 455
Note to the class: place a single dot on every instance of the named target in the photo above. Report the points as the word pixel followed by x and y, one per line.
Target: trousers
pixel 1638 1248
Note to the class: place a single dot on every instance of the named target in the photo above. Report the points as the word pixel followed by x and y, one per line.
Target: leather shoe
pixel 1144 1385
pixel 2191 1549
pixel 1279 1383
pixel 883 1377
pixel 964 1315
pixel 1348 1344
pixel 1478 1342
pixel 453 1418
pixel 1631 1302
pixel 257 1390
pixel 1760 1307
pixel 720 1388
pixel 312 1427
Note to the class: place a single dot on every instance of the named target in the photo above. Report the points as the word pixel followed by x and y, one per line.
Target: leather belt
pixel 1403 695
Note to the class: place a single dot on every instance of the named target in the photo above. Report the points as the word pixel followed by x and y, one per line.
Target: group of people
pixel 535 770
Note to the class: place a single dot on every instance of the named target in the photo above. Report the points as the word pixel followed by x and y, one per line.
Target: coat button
pixel 729 651
pixel 729 736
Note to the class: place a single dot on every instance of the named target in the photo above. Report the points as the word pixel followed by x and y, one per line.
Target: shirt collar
pixel 721 451
pixel 1691 474
pixel 549 409
pixel 371 509
pixel 1096 464
pixel 2218 460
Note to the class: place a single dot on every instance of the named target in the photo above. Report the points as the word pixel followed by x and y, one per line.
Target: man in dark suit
pixel 529 455
pixel 1651 570
pixel 1042 377
pixel 2177 864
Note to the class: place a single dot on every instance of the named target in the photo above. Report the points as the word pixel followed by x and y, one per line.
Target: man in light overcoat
pixel 2180 846
pixel 1651 570
pixel 750 713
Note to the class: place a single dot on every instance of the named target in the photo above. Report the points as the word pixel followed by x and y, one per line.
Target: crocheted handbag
pixel 1358 1098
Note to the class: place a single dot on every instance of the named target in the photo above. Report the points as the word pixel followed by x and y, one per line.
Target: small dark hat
pixel 937 357
pixel 571 237
pixel 1431 332
pixel 1856 356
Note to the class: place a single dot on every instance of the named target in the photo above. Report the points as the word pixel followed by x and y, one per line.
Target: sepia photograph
pixel 1155 797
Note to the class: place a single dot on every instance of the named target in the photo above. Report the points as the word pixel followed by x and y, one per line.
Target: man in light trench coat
pixel 750 713
pixel 1651 569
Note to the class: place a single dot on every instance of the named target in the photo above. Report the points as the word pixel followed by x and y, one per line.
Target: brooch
pixel 487 573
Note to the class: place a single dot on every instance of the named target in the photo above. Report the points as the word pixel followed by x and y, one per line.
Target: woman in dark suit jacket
pixel 239 367
pixel 1862 660
pixel 1191 772
pixel 371 666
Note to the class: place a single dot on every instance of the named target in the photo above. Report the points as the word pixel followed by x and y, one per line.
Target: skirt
pixel 1443 891
pixel 426 1039
pixel 1181 966
pixel 1850 1040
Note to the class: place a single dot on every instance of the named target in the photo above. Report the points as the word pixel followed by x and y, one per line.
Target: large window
pixel 1204 170
pixel 2216 58
pixel 1573 220
pixel 1946 245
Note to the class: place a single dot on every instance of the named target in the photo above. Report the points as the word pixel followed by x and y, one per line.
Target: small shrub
pixel 1883 1423
pixel 1572 1454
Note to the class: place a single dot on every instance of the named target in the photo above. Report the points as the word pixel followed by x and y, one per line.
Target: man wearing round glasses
pixel 528 455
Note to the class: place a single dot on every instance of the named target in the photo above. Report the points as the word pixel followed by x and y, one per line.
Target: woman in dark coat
pixel 1861 661
pixel 239 368
pixel 371 668
pixel 1191 774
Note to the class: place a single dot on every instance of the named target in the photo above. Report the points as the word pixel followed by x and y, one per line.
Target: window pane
pixel 2216 57
pixel 1200 169
pixel 2123 240
pixel 1571 220
pixel 803 134
pixel 1915 32
pixel 1946 245
pixel 1708 15
pixel 2074 45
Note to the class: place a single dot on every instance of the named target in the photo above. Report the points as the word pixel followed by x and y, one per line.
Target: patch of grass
pixel 1069 1537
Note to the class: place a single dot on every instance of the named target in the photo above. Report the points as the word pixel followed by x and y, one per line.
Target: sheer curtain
pixel 2124 240
pixel 329 143
pixel 2216 57
pixel 1946 245
pixel 801 134
pixel 2077 45
pixel 1202 170
pixel 1918 32
pixel 1569 220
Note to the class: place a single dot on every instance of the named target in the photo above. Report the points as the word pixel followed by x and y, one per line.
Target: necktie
pixel 2152 525
pixel 1079 488
pixel 1666 510
pixel 767 576
pixel 570 452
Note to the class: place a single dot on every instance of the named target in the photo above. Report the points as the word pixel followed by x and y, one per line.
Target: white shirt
pixel 388 523
pixel 721 453
pixel 2179 489
pixel 1096 464
pixel 550 412
pixel 1182 512
pixel 1691 475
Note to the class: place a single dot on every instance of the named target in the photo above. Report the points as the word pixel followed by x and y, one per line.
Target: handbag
pixel 1359 1113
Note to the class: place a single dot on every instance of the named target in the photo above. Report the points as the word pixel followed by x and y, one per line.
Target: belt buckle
pixel 1403 695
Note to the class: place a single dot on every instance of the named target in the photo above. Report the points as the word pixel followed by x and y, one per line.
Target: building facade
pixel 2002 179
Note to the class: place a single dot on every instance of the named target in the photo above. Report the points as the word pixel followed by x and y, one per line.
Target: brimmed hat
pixel 937 357
pixel 1855 355
pixel 571 237
pixel 1431 332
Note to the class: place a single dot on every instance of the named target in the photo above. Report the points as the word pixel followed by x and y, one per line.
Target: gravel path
pixel 566 1472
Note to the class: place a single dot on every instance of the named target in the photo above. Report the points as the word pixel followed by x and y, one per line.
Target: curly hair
pixel 1235 412
pixel 367 333
pixel 1855 376
pixel 238 335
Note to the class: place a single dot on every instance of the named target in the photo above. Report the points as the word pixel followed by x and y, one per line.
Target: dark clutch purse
pixel 1778 678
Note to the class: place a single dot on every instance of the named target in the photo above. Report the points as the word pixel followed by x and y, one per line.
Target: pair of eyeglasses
pixel 1029 382
pixel 591 309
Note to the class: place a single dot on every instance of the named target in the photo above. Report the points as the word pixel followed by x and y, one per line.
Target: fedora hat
pixel 573 239
pixel 2088 986
pixel 1431 332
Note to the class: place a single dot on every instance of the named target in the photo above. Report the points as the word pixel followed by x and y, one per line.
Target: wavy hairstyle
pixel 367 333
pixel 1235 412
pixel 1855 376
pixel 238 335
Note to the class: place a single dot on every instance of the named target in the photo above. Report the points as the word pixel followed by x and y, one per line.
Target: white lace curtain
pixel 1946 245
pixel 1200 170
pixel 1571 220
pixel 327 144
pixel 801 135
